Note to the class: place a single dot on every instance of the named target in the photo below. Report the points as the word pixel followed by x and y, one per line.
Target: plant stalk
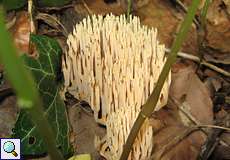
pixel 201 29
pixel 204 13
pixel 150 105
pixel 129 8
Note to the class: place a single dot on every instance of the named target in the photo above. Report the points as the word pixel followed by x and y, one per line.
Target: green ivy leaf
pixel 13 4
pixel 45 70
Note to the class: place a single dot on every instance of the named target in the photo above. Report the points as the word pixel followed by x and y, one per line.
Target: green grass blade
pixel 204 13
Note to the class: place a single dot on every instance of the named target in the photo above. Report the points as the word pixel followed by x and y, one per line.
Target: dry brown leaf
pixel 172 131
pixel 21 32
pixel 218 30
pixel 158 14
pixel 136 4
pixel 100 7
pixel 187 86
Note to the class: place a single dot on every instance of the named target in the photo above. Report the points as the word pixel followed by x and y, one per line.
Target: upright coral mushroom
pixel 114 65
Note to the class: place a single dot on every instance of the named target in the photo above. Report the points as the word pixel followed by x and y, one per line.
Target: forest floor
pixel 199 99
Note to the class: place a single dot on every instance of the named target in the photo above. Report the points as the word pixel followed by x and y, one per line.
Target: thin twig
pixel 31 16
pixel 213 126
pixel 203 62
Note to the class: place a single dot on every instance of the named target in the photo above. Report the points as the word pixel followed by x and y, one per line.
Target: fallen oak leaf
pixel 187 86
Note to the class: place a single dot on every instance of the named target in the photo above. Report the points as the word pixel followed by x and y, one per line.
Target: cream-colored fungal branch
pixel 114 65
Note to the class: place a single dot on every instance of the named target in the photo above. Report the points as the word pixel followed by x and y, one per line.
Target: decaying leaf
pixel 21 32
pixel 136 4
pixel 187 89
pixel 218 30
pixel 100 7
pixel 45 69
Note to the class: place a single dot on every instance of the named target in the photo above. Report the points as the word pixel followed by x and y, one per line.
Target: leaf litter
pixel 188 88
